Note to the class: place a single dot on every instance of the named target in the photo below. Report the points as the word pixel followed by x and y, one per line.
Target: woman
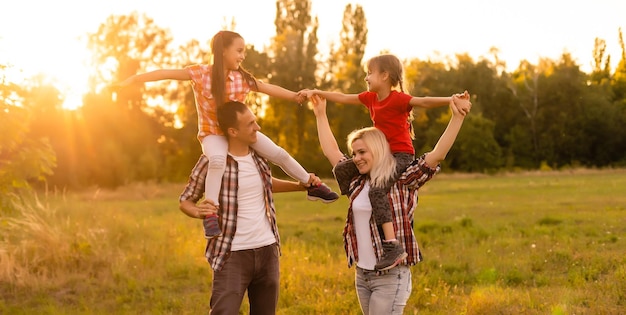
pixel 391 111
pixel 381 292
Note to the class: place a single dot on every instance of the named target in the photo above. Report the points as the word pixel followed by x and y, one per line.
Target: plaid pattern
pixel 194 190
pixel 237 89
pixel 218 248
pixel 403 195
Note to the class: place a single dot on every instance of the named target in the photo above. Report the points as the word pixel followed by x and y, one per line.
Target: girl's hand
pixel 307 93
pixel 300 99
pixel 462 103
pixel 125 83
pixel 458 103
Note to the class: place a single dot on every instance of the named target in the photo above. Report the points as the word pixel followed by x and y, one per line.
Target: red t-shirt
pixel 391 117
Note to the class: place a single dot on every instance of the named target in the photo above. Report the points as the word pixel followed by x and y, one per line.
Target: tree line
pixel 544 115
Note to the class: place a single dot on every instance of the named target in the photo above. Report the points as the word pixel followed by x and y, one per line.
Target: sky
pixel 47 36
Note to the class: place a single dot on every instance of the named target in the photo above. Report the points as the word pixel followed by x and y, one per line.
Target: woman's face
pixel 362 156
pixel 234 54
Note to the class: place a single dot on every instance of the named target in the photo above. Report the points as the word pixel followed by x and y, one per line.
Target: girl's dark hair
pixel 219 42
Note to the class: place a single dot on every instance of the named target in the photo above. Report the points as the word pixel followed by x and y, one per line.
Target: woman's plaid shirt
pixel 403 195
pixel 218 248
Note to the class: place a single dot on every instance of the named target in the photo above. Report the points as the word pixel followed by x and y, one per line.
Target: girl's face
pixel 234 54
pixel 362 156
pixel 375 79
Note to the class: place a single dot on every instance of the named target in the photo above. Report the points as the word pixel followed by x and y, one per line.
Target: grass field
pixel 531 243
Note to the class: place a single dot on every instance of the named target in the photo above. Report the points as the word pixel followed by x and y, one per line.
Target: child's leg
pixel 381 206
pixel 277 155
pixel 393 252
pixel 215 148
pixel 381 211
pixel 345 169
pixel 402 161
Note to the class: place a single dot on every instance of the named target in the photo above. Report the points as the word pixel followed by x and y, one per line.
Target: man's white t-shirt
pixel 253 225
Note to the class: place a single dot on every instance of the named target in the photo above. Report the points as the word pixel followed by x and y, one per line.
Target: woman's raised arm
pixel 324 133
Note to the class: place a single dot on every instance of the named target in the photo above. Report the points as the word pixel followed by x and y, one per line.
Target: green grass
pixel 527 243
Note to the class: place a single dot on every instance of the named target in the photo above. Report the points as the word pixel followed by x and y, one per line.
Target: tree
pixel 524 86
pixel 426 78
pixel 601 72
pixel 23 157
pixel 618 81
pixel 293 67
pixel 59 126
pixel 125 132
pixel 346 73
pixel 475 149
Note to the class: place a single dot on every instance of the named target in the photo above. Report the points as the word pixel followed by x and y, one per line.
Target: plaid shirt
pixel 403 195
pixel 218 248
pixel 237 89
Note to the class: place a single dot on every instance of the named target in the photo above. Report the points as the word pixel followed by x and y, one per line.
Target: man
pixel 245 256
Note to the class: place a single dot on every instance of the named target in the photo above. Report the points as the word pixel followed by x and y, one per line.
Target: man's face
pixel 247 128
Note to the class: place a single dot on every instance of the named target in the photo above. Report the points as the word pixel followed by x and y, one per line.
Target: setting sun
pixel 72 74
pixel 62 64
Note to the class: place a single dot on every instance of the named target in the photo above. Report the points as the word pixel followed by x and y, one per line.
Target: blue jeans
pixel 254 270
pixel 385 293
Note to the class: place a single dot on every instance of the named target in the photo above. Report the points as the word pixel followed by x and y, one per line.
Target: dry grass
pixel 528 243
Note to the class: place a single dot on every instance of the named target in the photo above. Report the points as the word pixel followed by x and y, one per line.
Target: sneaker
pixel 321 193
pixel 211 226
pixel 393 254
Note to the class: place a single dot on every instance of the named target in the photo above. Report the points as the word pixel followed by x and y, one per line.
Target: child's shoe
pixel 393 254
pixel 321 193
pixel 211 226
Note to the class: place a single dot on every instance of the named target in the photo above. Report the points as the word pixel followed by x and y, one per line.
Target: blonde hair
pixel 383 164
pixel 392 65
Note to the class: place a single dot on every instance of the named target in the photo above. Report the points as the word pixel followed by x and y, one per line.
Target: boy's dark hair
pixel 227 115
pixel 219 42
